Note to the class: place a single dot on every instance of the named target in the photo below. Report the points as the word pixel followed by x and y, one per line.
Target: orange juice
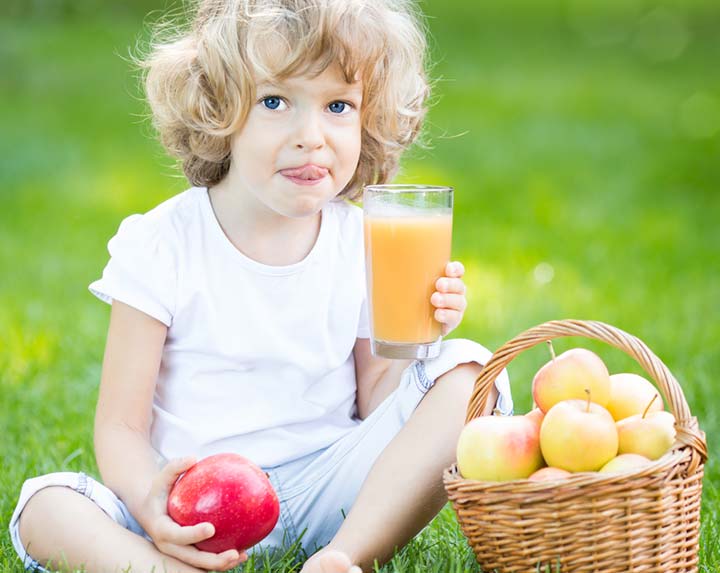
pixel 405 255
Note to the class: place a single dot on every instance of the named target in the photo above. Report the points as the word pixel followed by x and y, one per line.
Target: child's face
pixel 300 144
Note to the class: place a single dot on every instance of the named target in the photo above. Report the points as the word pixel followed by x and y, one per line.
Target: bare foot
pixel 330 561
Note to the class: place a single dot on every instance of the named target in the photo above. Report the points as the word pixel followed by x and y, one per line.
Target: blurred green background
pixel 582 138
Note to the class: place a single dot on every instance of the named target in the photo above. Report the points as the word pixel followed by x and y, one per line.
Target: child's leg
pixel 388 511
pixel 65 527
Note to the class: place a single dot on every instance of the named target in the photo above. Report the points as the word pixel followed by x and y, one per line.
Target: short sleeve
pixel 142 270
pixel 460 350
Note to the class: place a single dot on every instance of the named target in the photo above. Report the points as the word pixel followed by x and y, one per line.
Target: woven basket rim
pixel 664 464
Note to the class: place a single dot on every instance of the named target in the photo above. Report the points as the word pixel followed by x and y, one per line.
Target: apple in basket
pixel 568 376
pixel 630 394
pixel 549 474
pixel 650 434
pixel 233 494
pixel 624 463
pixel 536 415
pixel 499 448
pixel 578 436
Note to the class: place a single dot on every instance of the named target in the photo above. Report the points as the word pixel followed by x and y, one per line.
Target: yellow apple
pixel 549 474
pixel 568 376
pixel 624 463
pixel 630 394
pixel 499 448
pixel 578 436
pixel 650 435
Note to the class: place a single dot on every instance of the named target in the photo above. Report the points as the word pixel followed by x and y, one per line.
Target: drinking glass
pixel 408 236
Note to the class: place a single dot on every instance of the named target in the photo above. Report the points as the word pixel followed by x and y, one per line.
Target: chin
pixel 307 205
pixel 301 209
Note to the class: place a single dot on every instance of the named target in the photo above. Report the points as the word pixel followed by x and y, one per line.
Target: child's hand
pixel 176 540
pixel 449 298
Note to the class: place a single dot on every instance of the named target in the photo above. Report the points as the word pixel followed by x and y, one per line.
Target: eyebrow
pixel 268 84
pixel 354 89
pixel 351 92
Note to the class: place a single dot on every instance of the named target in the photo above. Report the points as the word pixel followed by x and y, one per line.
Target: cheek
pixel 351 148
pixel 255 141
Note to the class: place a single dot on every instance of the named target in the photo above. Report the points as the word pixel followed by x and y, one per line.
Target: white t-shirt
pixel 258 359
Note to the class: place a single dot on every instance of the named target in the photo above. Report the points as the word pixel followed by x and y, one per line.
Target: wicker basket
pixel 645 520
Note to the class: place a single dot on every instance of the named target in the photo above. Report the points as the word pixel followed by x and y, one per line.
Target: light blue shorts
pixel 315 491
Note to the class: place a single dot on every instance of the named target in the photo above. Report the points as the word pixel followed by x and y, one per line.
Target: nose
pixel 308 134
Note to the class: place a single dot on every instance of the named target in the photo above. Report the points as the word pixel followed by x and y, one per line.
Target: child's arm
pixel 124 454
pixel 377 377
pixel 125 458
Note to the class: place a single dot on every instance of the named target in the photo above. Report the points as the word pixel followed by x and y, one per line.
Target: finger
pixel 449 318
pixel 169 474
pixel 449 301
pixel 446 284
pixel 176 534
pixel 205 560
pixel 454 269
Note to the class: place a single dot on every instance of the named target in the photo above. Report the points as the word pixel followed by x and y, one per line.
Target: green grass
pixel 583 140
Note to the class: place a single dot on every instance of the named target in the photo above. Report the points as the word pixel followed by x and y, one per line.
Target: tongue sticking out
pixel 306 172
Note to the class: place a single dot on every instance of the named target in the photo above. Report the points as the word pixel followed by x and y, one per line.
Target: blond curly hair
pixel 200 87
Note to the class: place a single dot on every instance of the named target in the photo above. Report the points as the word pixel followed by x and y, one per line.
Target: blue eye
pixel 337 106
pixel 272 102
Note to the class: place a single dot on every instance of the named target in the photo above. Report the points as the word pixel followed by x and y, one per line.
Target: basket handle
pixel 688 431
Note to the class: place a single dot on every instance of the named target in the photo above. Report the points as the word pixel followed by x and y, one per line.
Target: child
pixel 238 319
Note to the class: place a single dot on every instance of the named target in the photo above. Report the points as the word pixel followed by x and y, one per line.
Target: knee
pixel 36 512
pixel 460 381
pixel 456 387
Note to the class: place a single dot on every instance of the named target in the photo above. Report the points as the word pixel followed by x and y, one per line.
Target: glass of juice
pixel 408 236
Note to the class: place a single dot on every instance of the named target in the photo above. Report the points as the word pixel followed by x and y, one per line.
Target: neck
pixel 260 233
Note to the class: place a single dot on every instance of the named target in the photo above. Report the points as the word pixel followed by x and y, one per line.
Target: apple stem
pixel 587 391
pixel 552 350
pixel 650 404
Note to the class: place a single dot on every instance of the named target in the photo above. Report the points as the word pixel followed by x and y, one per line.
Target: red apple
pixel 499 448
pixel 569 377
pixel 230 492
